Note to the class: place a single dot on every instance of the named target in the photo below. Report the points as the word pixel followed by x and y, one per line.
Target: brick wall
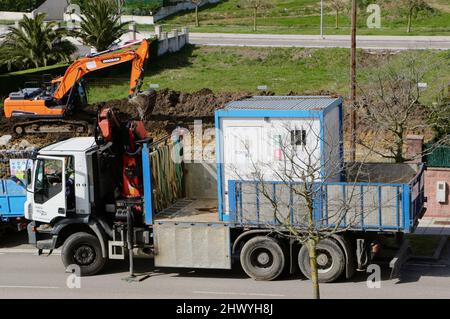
pixel 432 176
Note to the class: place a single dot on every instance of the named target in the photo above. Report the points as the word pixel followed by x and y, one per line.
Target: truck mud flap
pixel 189 245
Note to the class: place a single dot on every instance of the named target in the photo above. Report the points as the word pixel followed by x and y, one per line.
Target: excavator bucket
pixel 144 102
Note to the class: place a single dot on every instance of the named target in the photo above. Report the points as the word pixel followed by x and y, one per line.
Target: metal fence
pixel 438 157
pixel 360 206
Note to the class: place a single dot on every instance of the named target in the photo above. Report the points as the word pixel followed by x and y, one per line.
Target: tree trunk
pixel 197 22
pixel 314 271
pixel 410 11
pixel 255 14
pixel 337 19
pixel 399 141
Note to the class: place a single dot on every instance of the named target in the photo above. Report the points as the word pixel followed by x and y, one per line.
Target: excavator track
pixel 52 126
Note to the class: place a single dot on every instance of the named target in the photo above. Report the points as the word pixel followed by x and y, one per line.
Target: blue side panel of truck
pixel 372 207
pixel 147 184
pixel 12 199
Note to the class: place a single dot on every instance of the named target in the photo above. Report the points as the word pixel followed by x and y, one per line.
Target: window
pixel 48 180
pixel 298 137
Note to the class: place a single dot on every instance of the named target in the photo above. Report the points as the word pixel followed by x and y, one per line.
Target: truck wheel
pixel 83 250
pixel 262 258
pixel 330 261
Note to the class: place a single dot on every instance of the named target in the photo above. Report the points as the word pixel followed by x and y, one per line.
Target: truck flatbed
pixel 190 211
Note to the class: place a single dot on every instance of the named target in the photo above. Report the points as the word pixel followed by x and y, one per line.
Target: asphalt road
pixel 26 275
pixel 313 41
pixel 305 41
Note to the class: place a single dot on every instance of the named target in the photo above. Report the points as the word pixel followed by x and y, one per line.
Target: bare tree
pixel 256 5
pixel 338 6
pixel 197 4
pixel 288 192
pixel 413 7
pixel 390 105
pixel 439 115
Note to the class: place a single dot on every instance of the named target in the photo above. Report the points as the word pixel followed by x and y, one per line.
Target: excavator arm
pixel 83 66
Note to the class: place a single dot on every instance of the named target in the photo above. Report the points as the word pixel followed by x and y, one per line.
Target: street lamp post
pixel 353 85
pixel 321 18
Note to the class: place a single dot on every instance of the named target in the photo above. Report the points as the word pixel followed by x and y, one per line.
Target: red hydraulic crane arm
pixel 83 66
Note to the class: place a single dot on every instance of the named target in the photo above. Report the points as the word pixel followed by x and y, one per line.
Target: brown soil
pixel 162 111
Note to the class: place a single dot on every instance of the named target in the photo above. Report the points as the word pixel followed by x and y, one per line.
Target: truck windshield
pixel 48 179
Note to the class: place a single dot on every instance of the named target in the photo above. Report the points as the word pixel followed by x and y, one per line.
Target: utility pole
pixel 353 86
pixel 321 18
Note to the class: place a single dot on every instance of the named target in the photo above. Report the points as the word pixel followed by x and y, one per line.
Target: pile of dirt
pixel 166 102
pixel 162 111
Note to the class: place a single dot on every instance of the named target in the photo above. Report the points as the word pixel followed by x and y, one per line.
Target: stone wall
pixel 433 175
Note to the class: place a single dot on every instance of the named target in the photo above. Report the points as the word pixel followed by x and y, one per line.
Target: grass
pixel 302 17
pixel 233 69
pixel 236 69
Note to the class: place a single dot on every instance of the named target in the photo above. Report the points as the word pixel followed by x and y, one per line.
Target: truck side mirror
pixel 28 180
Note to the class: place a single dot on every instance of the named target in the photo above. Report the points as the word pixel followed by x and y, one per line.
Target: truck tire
pixel 262 258
pixel 83 250
pixel 330 261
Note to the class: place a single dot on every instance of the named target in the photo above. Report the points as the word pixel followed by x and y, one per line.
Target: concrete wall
pixel 139 19
pixel 432 176
pixel 172 41
pixel 14 16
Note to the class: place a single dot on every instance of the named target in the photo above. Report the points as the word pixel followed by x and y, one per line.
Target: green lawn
pixel 233 69
pixel 302 17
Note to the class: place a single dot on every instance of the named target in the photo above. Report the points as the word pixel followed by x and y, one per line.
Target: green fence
pixel 438 157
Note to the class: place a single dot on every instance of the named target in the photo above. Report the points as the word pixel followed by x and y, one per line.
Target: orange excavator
pixel 47 107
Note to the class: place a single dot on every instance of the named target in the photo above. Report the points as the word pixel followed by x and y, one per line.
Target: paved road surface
pixel 308 41
pixel 25 275
pixel 312 41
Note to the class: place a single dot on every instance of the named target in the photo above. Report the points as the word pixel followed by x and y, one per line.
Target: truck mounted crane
pixel 47 107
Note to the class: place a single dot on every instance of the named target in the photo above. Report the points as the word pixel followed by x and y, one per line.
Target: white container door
pixel 243 150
